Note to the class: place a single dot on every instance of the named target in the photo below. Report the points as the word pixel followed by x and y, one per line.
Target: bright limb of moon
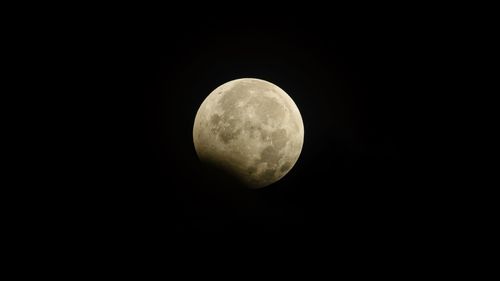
pixel 252 129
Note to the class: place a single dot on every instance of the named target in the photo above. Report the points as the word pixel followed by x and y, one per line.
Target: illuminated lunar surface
pixel 250 128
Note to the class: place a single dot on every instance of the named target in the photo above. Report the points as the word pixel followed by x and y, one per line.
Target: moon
pixel 250 128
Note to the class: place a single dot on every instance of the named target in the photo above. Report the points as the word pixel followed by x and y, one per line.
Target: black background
pixel 359 78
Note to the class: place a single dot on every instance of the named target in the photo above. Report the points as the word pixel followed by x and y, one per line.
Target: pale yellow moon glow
pixel 252 129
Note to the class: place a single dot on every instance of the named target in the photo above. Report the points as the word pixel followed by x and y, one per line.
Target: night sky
pixel 356 79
